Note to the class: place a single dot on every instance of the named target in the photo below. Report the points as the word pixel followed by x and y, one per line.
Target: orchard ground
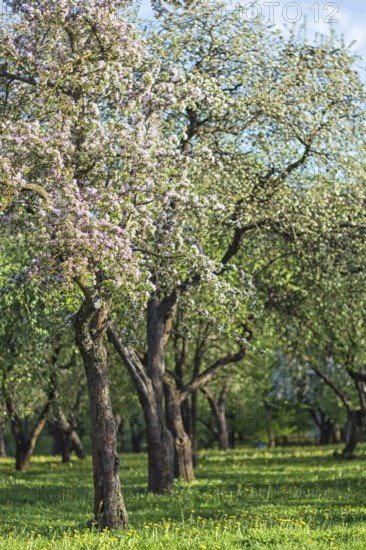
pixel 245 498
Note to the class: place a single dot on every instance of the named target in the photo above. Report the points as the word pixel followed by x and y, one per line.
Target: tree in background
pixel 263 156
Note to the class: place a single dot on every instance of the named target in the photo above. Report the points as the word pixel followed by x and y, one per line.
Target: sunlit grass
pixel 285 498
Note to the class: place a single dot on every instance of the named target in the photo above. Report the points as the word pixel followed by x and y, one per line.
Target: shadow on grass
pixel 241 484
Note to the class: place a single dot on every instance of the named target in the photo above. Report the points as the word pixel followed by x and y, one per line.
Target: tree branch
pixel 211 400
pixel 234 246
pixel 41 419
pixel 130 360
pixel 207 374
pixel 18 78
pixel 332 385
pixel 28 187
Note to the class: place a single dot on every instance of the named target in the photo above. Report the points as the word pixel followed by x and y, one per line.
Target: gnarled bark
pixel 183 455
pixel 159 439
pixel 90 328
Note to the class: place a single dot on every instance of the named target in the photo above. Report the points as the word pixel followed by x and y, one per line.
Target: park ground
pixel 245 498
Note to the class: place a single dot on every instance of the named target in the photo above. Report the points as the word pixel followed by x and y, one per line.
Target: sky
pixel 347 17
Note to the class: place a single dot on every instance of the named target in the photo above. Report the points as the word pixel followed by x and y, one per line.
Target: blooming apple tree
pixel 86 172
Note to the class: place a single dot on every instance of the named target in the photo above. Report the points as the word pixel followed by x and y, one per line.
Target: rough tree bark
pixel 179 414
pixel 183 450
pixel 150 384
pixel 90 329
pixel 159 439
pixel 160 450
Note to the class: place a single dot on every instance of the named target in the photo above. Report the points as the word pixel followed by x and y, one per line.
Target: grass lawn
pixel 282 498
